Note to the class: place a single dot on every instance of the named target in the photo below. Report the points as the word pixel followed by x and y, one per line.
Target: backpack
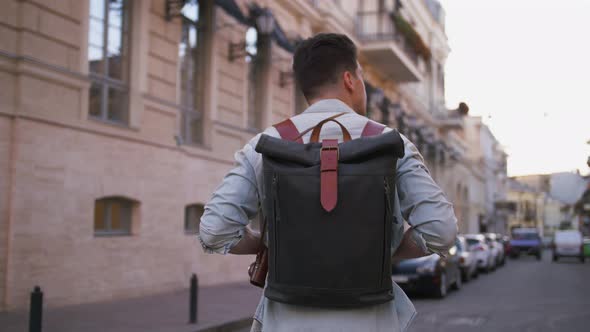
pixel 329 211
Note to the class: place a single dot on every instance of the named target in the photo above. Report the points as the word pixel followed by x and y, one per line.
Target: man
pixel 330 77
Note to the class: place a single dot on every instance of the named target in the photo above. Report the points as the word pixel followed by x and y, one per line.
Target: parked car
pixel 506 242
pixel 587 247
pixel 525 241
pixel 568 243
pixel 430 274
pixel 467 260
pixel 497 248
pixel 476 243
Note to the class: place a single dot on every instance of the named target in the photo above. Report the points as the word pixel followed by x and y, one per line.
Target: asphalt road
pixel 524 295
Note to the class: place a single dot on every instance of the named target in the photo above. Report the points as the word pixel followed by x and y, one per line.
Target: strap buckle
pixel 329 148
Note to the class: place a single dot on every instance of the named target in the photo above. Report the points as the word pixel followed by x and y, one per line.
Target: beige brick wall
pixel 5 146
pixel 60 174
pixel 48 99
pixel 7 91
pixel 51 30
pixel 9 12
pixel 232 99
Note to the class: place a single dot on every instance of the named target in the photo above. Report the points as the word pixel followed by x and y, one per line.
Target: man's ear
pixel 348 79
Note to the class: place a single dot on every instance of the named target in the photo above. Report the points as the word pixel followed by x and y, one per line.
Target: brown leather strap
pixel 288 131
pixel 329 174
pixel 315 134
pixel 312 128
pixel 372 128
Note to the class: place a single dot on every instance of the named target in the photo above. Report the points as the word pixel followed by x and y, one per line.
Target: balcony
pixel 386 47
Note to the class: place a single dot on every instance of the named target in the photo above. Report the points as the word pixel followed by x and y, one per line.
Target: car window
pixel 472 241
pixel 525 236
pixel 567 236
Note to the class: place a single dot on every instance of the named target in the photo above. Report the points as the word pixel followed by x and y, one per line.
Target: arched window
pixel 113 216
pixel 192 218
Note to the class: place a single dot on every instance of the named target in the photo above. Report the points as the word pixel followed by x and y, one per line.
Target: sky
pixel 524 66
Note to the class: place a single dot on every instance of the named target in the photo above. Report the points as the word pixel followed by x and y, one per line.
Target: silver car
pixel 497 248
pixel 467 260
pixel 476 243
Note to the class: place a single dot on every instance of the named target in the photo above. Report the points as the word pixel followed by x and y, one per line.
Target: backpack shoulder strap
pixel 288 131
pixel 372 128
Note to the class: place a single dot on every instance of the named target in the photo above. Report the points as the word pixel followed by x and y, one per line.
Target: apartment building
pixel 119 117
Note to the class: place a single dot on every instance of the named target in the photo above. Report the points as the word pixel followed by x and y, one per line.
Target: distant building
pixel 489 175
pixel 567 187
pixel 527 206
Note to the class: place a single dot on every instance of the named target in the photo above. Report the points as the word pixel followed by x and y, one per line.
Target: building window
pixel 108 59
pixel 113 216
pixel 191 71
pixel 192 218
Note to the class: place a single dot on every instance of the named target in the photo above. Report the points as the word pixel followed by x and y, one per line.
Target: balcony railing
pixel 379 26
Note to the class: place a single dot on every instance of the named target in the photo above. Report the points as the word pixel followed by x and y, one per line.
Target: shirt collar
pixel 329 105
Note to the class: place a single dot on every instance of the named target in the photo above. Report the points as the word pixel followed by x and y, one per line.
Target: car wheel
pixel 555 258
pixel 538 256
pixel 441 292
pixel 582 258
pixel 475 273
pixel 458 282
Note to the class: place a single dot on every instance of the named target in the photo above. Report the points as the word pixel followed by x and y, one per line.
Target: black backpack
pixel 329 211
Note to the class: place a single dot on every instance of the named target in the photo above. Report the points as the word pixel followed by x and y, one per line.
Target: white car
pixel 568 243
pixel 477 245
pixel 467 260
pixel 496 247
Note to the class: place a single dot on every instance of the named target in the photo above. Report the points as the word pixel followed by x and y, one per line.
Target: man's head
pixel 326 66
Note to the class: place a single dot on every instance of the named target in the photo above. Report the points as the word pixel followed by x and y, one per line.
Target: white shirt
pixel 420 202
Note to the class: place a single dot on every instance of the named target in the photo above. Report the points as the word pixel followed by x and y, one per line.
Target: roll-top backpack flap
pixel 288 151
pixel 336 252
pixel 362 148
pixel 353 151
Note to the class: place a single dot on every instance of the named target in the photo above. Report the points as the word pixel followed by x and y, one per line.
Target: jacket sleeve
pixel 233 204
pixel 423 204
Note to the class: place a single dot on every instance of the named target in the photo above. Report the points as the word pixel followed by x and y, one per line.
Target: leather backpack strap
pixel 315 134
pixel 372 128
pixel 325 120
pixel 288 131
pixel 329 174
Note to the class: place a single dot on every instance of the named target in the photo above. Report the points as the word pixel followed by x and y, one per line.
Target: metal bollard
pixel 193 299
pixel 36 310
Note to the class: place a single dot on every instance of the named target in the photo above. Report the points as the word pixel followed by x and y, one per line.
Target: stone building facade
pixel 118 118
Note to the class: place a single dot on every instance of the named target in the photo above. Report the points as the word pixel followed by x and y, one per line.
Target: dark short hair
pixel 321 59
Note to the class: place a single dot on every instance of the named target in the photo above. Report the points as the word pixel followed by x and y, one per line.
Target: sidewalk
pixel 220 308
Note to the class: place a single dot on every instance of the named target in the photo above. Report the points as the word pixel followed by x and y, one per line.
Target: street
pixel 524 295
